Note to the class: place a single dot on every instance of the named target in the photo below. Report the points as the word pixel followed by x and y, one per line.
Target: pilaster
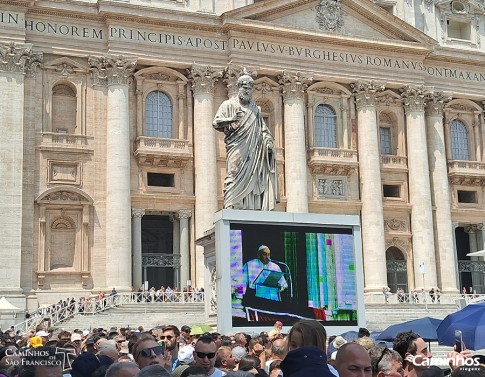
pixel 116 72
pixel 435 102
pixel 184 216
pixel 293 88
pixel 137 215
pixel 205 163
pixel 373 239
pixel 17 61
pixel 414 97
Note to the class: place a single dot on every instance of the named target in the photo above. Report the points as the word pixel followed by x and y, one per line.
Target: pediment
pixel 66 66
pixel 356 19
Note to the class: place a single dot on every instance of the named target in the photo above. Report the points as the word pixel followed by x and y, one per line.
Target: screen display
pixel 286 273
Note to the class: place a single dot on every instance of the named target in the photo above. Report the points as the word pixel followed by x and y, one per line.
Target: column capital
pixel 19 58
pixel 204 78
pixel 184 214
pixel 232 73
pixel 137 212
pixel 112 70
pixel 414 97
pixel 472 228
pixel 294 84
pixel 435 102
pixel 365 92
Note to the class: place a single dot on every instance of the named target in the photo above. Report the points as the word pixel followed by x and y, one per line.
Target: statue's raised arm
pixel 251 181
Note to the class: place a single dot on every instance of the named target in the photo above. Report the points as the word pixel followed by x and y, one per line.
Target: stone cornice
pixel 112 70
pixel 203 78
pixel 294 84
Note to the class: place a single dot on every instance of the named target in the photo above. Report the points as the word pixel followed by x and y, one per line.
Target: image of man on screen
pixel 263 278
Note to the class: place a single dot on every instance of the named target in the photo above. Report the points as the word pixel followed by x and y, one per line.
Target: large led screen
pixel 289 272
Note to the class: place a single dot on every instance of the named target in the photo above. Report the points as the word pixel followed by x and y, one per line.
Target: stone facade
pixel 111 169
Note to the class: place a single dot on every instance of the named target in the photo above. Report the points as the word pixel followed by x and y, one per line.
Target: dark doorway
pixel 157 251
pixel 397 272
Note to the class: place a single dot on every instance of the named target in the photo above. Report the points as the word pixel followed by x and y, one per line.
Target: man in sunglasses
pixel 205 355
pixel 385 362
pixel 170 336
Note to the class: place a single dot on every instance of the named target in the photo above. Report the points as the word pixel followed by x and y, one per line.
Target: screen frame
pixel 226 217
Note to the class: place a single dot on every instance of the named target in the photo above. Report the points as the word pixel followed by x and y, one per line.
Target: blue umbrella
pixel 424 327
pixel 471 321
pixel 350 335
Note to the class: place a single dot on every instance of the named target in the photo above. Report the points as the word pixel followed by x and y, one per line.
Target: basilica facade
pixel 110 167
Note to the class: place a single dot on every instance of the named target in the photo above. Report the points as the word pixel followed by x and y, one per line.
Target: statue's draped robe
pixel 251 181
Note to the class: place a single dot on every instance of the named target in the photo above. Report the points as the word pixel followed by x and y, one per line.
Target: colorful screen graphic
pixel 286 273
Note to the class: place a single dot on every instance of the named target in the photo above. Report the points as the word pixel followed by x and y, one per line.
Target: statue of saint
pixel 251 181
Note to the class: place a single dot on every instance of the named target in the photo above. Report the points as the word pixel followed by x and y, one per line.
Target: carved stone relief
pixel 64 172
pixel 395 225
pixel 331 187
pixel 330 16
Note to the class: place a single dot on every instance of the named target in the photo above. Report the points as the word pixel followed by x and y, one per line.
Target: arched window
pixel 459 141
pixel 325 127
pixel 158 115
pixel 64 104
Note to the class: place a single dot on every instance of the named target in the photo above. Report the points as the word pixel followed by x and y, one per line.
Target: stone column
pixel 293 87
pixel 205 162
pixel 373 240
pixel 137 214
pixel 184 216
pixel 419 187
pixel 16 62
pixel 440 192
pixel 116 73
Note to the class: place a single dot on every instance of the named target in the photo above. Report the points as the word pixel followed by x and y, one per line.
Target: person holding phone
pixel 460 353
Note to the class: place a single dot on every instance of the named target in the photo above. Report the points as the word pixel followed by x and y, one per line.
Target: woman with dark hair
pixel 307 342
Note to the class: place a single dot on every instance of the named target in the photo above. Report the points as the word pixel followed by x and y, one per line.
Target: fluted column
pixel 116 73
pixel 16 62
pixel 137 214
pixel 184 216
pixel 373 240
pixel 293 87
pixel 419 186
pixel 440 191
pixel 205 163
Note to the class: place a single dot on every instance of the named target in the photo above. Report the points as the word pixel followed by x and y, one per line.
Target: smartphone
pixel 162 344
pixel 458 341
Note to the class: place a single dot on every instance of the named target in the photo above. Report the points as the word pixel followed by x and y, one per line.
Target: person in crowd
pixel 170 336
pixel 184 335
pixel 153 371
pixel 353 360
pixel 205 356
pixel 238 352
pixel 194 371
pixel 120 369
pixel 275 369
pixel 45 363
pixel 278 353
pixel 363 332
pixel 306 342
pixel 147 351
pixel 250 363
pixel 413 350
pixel 240 340
pixel 385 362
pixel 276 331
pixel 224 359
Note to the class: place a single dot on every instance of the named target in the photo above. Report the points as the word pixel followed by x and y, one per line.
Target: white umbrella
pixel 480 253
pixel 5 305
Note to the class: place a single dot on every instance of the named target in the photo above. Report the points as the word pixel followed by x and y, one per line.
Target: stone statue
pixel 251 181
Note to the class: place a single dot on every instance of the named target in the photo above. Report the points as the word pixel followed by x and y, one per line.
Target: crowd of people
pixel 415 296
pixel 167 351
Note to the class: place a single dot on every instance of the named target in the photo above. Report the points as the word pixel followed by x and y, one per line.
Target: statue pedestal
pixel 312 269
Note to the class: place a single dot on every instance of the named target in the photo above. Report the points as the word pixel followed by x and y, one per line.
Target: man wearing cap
pixel 255 274
pixel 44 335
pixel 35 342
pixel 184 335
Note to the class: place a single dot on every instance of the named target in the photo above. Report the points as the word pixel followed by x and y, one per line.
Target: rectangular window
pixel 385 136
pixel 459 30
pixel 160 180
pixel 467 196
pixel 391 191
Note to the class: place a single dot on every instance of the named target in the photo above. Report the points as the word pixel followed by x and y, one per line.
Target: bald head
pixel 278 348
pixel 353 360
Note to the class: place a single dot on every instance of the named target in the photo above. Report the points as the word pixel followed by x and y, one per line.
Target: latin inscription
pixel 11 19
